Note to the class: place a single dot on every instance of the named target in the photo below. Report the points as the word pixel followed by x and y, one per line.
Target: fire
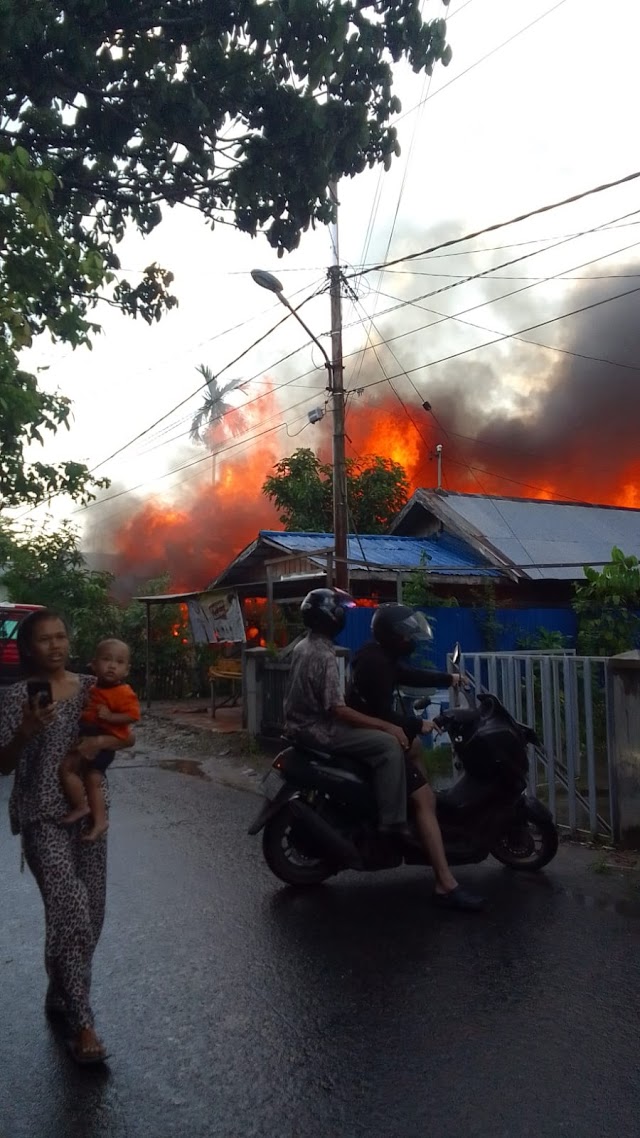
pixel 385 433
pixel 212 517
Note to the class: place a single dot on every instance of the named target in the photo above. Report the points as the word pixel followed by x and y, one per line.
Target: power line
pixel 187 465
pixel 509 245
pixel 507 336
pixel 182 402
pixel 481 274
pixel 483 58
pixel 489 275
pixel 444 317
pixel 500 224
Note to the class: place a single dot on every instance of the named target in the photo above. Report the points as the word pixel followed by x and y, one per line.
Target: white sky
pixel 549 114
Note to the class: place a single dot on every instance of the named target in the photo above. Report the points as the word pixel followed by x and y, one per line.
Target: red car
pixel 10 618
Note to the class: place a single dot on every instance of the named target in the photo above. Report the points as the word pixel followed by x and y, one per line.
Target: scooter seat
pixel 328 759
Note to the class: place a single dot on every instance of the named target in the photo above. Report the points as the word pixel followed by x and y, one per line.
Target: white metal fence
pixel 564 697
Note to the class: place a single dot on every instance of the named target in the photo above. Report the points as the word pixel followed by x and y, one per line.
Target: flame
pixel 196 534
pixel 210 519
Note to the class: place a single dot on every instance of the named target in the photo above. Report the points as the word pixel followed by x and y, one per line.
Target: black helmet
pixel 398 628
pixel 323 610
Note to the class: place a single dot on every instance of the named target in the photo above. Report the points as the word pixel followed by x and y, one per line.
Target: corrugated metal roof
pixel 443 553
pixel 558 536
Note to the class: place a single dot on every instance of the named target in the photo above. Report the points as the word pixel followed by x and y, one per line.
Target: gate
pixel 564 697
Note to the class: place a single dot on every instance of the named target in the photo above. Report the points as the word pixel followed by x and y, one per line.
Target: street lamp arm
pixel 307 329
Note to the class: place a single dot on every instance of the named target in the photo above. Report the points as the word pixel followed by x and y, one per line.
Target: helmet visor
pixel 414 627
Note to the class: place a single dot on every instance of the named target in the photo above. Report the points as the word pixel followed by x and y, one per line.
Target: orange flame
pixel 196 536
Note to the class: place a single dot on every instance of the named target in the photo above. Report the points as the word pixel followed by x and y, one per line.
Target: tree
pixel 47 568
pixel 48 284
pixel 302 490
pixel 109 110
pixel 607 605
pixel 246 109
pixel 213 405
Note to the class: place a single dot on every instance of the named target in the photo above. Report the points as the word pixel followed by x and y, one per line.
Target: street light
pixel 272 284
pixel 334 371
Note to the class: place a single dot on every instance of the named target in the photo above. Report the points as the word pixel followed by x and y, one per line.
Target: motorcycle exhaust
pixel 340 850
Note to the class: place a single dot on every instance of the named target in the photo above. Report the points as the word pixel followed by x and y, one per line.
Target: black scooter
pixel 320 817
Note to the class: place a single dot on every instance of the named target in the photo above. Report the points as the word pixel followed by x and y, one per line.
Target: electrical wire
pixel 188 465
pixel 507 245
pixel 507 336
pixel 444 317
pixel 151 426
pixel 500 224
pixel 483 58
pixel 481 274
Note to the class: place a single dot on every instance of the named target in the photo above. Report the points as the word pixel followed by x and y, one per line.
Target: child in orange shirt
pixel 112 707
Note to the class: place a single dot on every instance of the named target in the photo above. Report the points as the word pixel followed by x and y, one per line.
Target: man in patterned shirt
pixel 316 713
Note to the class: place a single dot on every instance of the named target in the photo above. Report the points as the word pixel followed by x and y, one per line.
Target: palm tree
pixel 214 405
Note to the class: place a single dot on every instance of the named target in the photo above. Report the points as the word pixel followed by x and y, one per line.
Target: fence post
pixel 252 689
pixel 623 681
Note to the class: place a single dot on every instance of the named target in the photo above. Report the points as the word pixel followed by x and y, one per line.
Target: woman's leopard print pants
pixel 72 877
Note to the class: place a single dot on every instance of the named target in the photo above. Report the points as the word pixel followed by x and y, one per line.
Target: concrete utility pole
pixel 336 390
pixel 340 507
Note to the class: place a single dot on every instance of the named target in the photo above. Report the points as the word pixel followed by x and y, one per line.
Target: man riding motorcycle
pixel 376 671
pixel 316 714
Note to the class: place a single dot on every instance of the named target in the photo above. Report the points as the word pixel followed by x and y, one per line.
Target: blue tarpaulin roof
pixel 441 554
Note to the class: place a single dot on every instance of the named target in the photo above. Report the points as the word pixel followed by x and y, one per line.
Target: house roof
pixel 544 540
pixel 443 554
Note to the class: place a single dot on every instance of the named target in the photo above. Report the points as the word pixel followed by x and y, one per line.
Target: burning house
pixel 539 546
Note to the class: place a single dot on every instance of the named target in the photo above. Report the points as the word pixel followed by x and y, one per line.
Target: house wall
pixel 512 628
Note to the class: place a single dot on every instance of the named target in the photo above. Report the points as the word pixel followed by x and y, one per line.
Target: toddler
pixel 112 707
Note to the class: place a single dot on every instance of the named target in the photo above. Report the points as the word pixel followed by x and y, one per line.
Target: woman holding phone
pixel 38 727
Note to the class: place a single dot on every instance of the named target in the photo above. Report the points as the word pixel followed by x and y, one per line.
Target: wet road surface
pixel 233 1008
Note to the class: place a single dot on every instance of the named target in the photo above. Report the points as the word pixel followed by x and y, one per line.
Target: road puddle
pixel 624 906
pixel 184 766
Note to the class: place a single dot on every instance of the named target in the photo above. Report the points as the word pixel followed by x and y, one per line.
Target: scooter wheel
pixel 528 847
pixel 287 855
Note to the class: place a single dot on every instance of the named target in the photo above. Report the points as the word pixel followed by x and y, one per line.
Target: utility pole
pixel 340 508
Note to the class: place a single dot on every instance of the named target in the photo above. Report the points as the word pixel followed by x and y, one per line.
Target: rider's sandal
pixel 459 899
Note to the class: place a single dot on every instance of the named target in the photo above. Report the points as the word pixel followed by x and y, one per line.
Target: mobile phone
pixel 39 693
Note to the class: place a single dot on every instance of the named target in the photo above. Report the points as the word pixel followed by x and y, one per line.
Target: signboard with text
pixel 216 618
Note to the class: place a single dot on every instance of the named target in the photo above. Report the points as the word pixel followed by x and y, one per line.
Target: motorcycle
pixel 319 816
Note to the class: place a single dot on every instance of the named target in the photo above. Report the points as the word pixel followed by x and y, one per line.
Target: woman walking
pixel 70 873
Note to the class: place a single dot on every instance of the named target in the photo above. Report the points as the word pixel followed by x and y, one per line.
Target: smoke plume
pixel 515 418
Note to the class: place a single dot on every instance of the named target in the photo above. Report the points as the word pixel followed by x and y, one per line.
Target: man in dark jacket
pixel 377 670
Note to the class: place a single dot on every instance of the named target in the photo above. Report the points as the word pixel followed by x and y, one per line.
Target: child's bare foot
pixel 96 831
pixel 75 816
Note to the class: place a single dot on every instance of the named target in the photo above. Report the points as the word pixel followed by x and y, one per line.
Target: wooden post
pixel 148 608
pixel 271 632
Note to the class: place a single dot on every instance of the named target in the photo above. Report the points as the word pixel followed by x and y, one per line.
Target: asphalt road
pixel 233 1008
